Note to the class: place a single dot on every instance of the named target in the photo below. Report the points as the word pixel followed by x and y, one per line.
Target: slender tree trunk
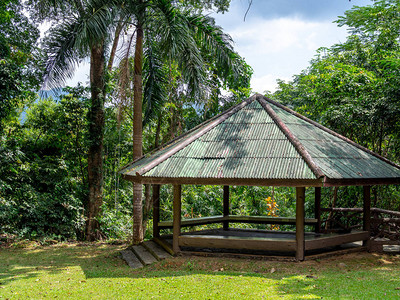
pixel 78 147
pixel 335 191
pixel 148 205
pixel 137 134
pixel 96 133
pixel 380 138
pixel 118 30
pixel 158 132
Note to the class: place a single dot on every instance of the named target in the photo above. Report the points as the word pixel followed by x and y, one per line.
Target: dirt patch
pixel 14 242
pixel 342 264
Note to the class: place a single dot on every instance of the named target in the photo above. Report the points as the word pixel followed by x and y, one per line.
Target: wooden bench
pixel 236 219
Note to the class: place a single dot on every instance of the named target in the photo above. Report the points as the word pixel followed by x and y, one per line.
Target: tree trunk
pixel 158 132
pixel 96 133
pixel 118 30
pixel 137 134
pixel 329 221
pixel 148 205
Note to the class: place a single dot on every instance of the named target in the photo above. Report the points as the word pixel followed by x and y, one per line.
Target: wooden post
pixel 367 214
pixel 156 210
pixel 300 196
pixel 317 209
pixel 226 207
pixel 176 231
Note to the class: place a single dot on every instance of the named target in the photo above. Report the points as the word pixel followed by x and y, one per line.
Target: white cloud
pixel 265 83
pixel 280 48
pixel 275 48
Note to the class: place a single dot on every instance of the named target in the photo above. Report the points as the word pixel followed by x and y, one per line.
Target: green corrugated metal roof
pixel 247 142
pixel 336 158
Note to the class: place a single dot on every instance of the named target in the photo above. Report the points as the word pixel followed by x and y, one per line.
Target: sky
pixel 279 37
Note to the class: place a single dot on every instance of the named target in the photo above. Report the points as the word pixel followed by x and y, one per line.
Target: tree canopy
pixel 19 59
pixel 353 87
pixel 158 69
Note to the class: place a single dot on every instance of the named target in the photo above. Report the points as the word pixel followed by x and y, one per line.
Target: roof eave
pixel 360 181
pixel 225 181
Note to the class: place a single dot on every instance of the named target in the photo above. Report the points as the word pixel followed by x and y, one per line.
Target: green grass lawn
pixel 95 271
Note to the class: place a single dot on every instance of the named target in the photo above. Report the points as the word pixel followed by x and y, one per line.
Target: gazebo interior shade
pixel 262 142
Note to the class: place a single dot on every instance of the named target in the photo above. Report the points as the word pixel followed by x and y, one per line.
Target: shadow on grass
pixel 94 261
pixel 361 276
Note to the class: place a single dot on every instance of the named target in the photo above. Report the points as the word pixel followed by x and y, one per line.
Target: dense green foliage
pixel 19 60
pixel 44 154
pixel 352 88
pixel 42 183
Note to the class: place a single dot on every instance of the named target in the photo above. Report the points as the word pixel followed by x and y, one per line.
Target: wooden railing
pixel 341 219
pixel 385 224
pixel 236 219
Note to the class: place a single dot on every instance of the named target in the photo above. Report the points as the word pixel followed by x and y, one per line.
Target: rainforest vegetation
pixel 159 68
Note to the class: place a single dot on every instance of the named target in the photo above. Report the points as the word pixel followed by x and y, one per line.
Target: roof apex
pixel 262 143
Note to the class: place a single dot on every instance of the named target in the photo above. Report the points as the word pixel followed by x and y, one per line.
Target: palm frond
pixel 124 74
pixel 62 56
pixel 217 45
pixel 70 40
pixel 96 23
pixel 178 43
pixel 155 81
pixel 50 10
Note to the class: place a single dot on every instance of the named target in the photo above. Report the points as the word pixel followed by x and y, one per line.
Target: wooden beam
pixel 343 209
pixel 317 209
pixel 385 211
pixel 335 240
pixel 268 220
pixel 176 218
pixel 300 245
pixel 292 138
pixel 156 210
pixel 237 243
pixel 226 207
pixel 367 214
pixel 360 181
pixel 237 219
pixel 164 244
pixel 193 222
pixel 225 181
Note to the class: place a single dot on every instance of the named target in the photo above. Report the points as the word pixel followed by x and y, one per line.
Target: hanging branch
pixel 248 8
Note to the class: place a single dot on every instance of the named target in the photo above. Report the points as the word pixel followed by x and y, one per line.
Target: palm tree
pixel 82 30
pixel 190 40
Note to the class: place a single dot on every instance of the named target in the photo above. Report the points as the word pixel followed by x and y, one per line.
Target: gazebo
pixel 260 142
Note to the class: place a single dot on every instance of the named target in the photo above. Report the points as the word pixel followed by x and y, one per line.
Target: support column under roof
pixel 300 245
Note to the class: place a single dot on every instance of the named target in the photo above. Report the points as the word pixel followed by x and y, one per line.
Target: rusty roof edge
pixel 360 181
pixel 248 100
pixel 225 181
pixel 331 132
pixel 210 125
pixel 292 138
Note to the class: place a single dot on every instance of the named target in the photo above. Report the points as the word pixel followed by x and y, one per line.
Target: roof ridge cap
pixel 292 138
pixel 326 129
pixel 210 125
